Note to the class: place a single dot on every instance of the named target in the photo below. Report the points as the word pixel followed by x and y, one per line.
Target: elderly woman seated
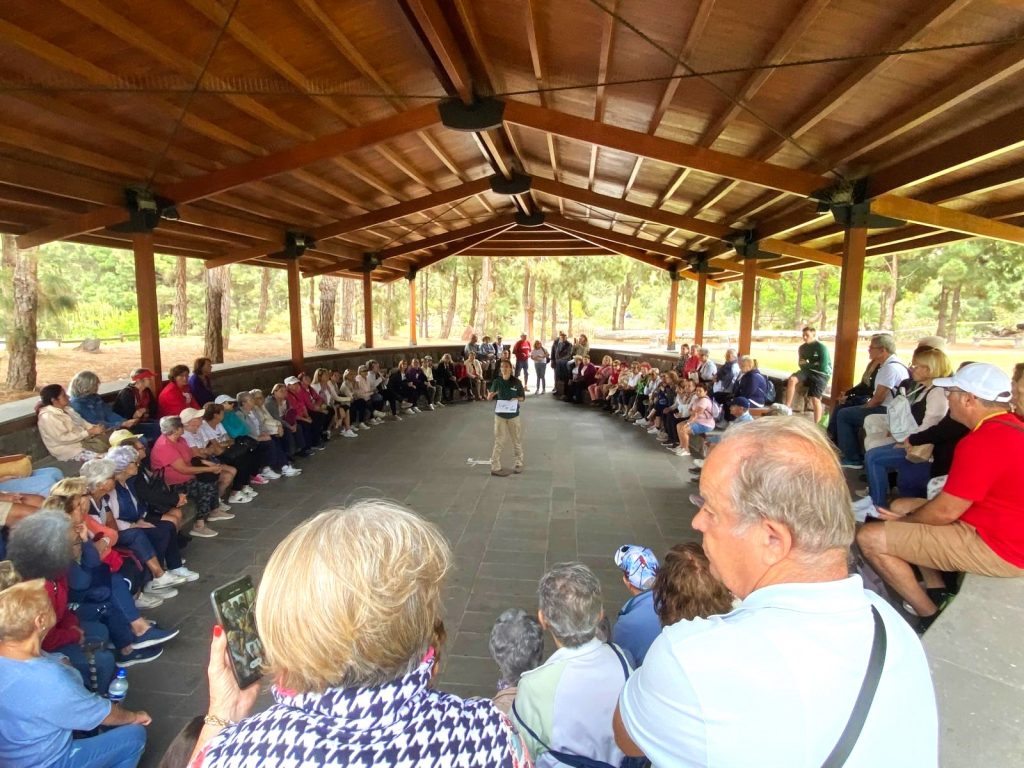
pixel 43 700
pixel 365 585
pixel 66 435
pixel 685 589
pixel 85 399
pixel 565 706
pixel 274 429
pixel 172 455
pixel 138 401
pixel 517 646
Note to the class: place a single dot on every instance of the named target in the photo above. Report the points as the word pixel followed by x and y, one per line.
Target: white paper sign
pixel 506 406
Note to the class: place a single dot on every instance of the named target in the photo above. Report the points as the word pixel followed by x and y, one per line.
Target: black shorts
pixel 814 381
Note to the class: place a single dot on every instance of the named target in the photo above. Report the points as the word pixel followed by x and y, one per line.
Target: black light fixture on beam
pixel 479 115
pixel 745 243
pixel 371 260
pixel 145 210
pixel 848 203
pixel 534 219
pixel 519 184
pixel 700 262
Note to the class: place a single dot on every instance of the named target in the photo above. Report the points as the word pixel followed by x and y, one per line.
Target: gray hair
pixel 40 545
pixel 255 392
pixel 795 480
pixel 570 599
pixel 517 644
pixel 84 383
pixel 121 457
pixel 885 341
pixel 97 471
pixel 242 398
pixel 170 424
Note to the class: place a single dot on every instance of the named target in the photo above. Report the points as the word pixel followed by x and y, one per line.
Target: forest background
pixel 968 292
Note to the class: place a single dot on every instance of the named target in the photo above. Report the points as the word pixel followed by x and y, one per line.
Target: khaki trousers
pixel 507 429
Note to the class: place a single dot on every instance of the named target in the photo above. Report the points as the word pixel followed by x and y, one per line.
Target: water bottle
pixel 118 687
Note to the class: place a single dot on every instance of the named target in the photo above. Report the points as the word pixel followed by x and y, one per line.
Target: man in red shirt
pixel 521 351
pixel 976 524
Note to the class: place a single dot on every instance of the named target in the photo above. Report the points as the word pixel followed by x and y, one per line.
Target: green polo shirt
pixel 512 389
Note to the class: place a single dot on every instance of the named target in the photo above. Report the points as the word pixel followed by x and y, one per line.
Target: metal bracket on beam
pixel 534 219
pixel 848 203
pixel 371 261
pixel 673 274
pixel 479 115
pixel 296 244
pixel 745 243
pixel 519 184
pixel 145 210
pixel 411 274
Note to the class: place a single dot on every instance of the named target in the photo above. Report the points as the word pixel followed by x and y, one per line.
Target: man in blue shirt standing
pixel 638 623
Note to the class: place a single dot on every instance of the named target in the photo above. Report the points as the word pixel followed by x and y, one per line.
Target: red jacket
pixel 173 399
pixel 522 349
pixel 65 631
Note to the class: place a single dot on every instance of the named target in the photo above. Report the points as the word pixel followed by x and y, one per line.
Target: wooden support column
pixel 367 309
pixel 145 291
pixel 295 315
pixel 747 305
pixel 411 277
pixel 702 293
pixel 851 283
pixel 673 306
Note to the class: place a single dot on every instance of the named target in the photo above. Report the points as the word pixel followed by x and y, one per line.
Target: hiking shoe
pixel 500 472
pixel 204 533
pixel 217 516
pixel 153 636
pixel 138 656
pixel 518 470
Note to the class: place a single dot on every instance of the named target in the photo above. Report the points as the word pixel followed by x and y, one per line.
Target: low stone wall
pixel 18 433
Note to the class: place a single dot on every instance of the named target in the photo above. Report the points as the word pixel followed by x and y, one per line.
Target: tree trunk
pixel 261 316
pixel 615 310
pixel 311 304
pixel 798 305
pixel 347 308
pixel 570 316
pixel 821 298
pixel 954 315
pixel 449 317
pixel 389 326
pixel 328 303
pixel 425 306
pixel 213 346
pixel 554 315
pixel 474 281
pixel 21 325
pixel 892 293
pixel 180 325
pixel 711 310
pixel 627 297
pixel 943 312
pixel 544 310
pixel 757 304
pixel 485 295
pixel 225 307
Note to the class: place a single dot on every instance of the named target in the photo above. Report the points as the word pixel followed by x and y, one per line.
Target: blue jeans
pixel 540 369
pixel 913 478
pixel 39 482
pixel 120 747
pixel 524 367
pixel 848 425
pixel 878 462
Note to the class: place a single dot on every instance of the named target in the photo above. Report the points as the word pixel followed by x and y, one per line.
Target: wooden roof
pixel 259 118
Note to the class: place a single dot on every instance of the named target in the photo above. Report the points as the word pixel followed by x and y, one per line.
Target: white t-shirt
pixel 891 373
pixel 772 684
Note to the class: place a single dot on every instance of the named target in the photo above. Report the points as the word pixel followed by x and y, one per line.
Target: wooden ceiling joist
pixel 673 152
pixel 946 218
pixel 455 248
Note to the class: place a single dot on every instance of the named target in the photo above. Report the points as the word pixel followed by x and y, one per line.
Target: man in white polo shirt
pixel 773 683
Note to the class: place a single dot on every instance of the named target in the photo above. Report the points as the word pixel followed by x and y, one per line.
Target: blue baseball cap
pixel 742 402
pixel 639 565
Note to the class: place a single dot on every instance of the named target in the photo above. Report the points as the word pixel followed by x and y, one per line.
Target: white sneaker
pixel 215 516
pixel 349 433
pixel 377 420
pixel 206 532
pixel 783 409
pixel 362 427
pixel 430 406
pixel 863 492
pixel 698 463
pixel 164 582
pixel 652 430
pixel 270 474
pixel 407 406
pixel 238 497
pixel 248 489
pixel 144 600
pixel 185 573
pixel 681 452
pixel 379 414
pixel 289 471
pixel 397 417
pixel 222 508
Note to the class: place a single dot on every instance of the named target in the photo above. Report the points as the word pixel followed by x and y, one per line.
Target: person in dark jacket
pixel 138 401
pixel 87 403
pixel 561 356
pixel 752 384
pixel 402 387
pixel 201 383
pixel 584 374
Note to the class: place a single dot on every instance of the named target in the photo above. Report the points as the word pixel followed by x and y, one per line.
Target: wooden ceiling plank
pixel 55 182
pixel 667 151
pixel 442 41
pixel 426 243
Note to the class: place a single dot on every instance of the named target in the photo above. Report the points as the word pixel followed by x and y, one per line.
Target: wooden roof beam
pixel 667 151
pixel 426 243
pixel 435 28
pixel 457 247
pixel 946 218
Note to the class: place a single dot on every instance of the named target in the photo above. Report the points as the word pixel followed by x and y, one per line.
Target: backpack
pixel 152 489
pixel 716 409
pixel 769 390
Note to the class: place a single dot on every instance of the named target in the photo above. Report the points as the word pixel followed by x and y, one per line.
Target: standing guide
pixel 509 393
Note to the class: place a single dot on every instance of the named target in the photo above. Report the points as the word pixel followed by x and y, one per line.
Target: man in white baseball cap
pixel 976 523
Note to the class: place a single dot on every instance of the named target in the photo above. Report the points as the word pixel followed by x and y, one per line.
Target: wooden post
pixel 367 309
pixel 702 292
pixel 673 306
pixel 851 283
pixel 145 291
pixel 295 314
pixel 411 277
pixel 747 305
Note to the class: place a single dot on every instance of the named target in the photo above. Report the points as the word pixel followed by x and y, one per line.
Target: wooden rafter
pixel 667 151
pixel 457 247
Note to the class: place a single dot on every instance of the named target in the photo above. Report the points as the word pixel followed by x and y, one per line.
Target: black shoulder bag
pixel 876 661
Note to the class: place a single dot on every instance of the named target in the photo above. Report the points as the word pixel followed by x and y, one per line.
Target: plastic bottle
pixel 118 686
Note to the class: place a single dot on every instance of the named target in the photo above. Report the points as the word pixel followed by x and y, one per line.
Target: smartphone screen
pixel 234 604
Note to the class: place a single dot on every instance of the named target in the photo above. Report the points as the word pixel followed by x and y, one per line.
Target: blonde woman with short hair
pixel 364 584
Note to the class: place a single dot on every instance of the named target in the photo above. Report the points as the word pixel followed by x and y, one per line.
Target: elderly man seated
pixel 517 646
pixel 637 624
pixel 774 681
pixel 976 524
pixel 564 707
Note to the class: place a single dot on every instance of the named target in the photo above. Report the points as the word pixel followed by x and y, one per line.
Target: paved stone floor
pixel 592 483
